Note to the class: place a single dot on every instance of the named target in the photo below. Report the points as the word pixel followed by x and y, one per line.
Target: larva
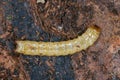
pixel 42 1
pixel 59 48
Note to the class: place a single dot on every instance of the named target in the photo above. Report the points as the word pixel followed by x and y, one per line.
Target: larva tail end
pixel 17 46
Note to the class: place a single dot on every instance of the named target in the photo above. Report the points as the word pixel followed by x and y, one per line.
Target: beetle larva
pixel 59 48
pixel 42 1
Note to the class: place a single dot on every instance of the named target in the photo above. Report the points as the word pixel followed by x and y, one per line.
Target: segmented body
pixel 59 48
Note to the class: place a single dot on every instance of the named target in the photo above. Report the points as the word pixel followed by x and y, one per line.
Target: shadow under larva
pixel 59 48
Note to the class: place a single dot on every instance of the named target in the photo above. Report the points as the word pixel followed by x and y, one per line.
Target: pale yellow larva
pixel 59 48
pixel 42 1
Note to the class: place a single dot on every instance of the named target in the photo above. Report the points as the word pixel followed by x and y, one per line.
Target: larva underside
pixel 59 48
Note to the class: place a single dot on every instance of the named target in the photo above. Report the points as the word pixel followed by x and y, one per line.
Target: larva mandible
pixel 59 48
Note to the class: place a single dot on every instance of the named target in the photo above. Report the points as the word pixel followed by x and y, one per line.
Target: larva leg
pixel 59 48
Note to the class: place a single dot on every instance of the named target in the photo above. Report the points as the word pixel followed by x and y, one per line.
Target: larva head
pixel 95 27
